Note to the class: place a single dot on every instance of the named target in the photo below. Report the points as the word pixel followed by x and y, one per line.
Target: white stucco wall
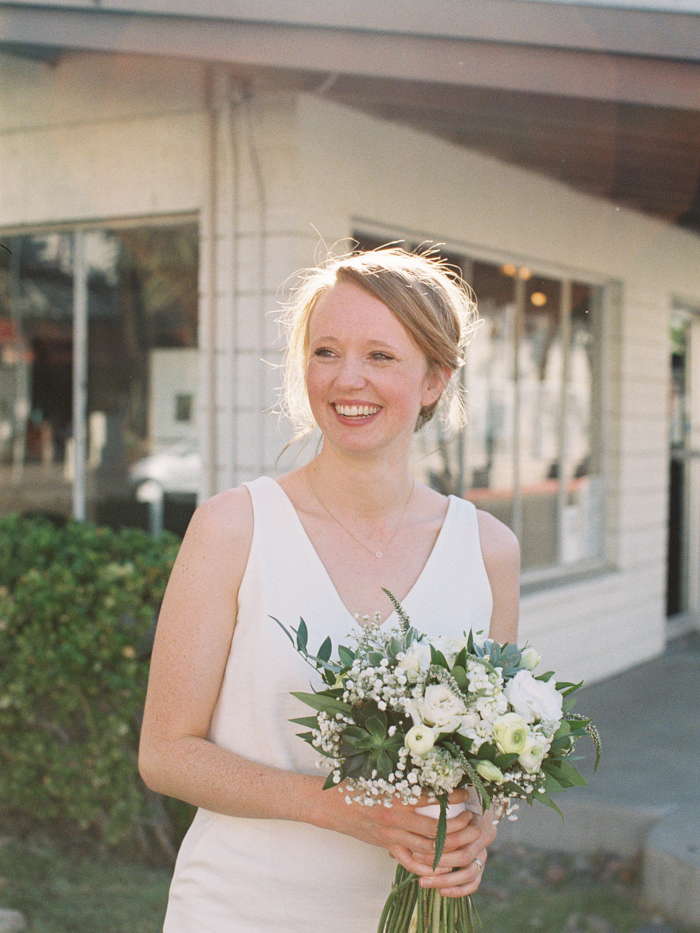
pixel 270 177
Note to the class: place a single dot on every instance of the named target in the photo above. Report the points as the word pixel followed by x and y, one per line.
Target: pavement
pixel 644 799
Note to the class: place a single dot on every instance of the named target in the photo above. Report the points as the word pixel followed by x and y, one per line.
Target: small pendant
pixel 379 553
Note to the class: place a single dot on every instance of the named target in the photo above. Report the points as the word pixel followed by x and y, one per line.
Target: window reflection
pixel 36 378
pixel 530 453
pixel 142 374
pixel 490 372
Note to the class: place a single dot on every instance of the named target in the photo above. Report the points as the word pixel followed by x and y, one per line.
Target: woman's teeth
pixel 356 411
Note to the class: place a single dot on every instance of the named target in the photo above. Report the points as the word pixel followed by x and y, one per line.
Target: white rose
pixel 419 740
pixel 416 660
pixel 531 756
pixel 439 708
pixel 533 699
pixel 529 658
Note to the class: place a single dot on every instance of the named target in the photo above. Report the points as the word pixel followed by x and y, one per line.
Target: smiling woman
pixel 424 297
pixel 375 342
pixel 365 371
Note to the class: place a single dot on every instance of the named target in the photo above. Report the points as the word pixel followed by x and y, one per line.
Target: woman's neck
pixel 362 485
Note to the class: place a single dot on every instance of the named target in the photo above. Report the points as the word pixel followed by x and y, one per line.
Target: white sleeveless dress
pixel 237 875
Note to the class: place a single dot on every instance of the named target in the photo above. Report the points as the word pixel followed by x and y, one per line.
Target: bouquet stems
pixel 413 909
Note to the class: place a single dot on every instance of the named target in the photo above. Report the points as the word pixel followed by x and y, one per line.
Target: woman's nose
pixel 350 373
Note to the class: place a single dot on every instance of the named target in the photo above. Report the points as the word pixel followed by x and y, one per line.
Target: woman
pixel 375 341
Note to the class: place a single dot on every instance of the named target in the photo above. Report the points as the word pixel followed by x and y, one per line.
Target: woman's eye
pixel 381 357
pixel 323 351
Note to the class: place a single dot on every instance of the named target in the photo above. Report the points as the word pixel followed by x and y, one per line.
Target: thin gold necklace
pixel 377 554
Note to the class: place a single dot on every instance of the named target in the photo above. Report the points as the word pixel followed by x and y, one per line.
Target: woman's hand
pixel 460 868
pixel 409 836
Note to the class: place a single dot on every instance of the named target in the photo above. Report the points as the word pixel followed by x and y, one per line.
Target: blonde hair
pixel 423 292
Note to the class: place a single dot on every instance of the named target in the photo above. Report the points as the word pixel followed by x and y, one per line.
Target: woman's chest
pixel 361 578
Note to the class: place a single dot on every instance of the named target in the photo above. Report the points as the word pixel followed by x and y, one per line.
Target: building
pixel 165 168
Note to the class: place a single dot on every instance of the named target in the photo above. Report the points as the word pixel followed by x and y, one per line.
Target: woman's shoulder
pixel 224 522
pixel 499 545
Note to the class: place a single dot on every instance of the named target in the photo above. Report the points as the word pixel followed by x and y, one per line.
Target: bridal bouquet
pixel 404 716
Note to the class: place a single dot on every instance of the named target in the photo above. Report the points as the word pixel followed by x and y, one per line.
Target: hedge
pixel 78 605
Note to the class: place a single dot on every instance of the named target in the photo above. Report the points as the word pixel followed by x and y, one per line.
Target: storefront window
pixel 125 448
pixel 530 453
pixel 533 438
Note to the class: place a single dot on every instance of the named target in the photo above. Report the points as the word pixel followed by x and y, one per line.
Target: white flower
pixel 490 772
pixel 529 658
pixel 420 739
pixel 438 707
pixel 534 699
pixel 532 754
pixel 510 733
pixel 416 660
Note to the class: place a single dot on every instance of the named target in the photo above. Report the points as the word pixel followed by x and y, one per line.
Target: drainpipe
pixel 207 322
pixel 80 375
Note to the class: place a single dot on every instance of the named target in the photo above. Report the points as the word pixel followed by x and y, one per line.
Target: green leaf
pixel 324 652
pixel 376 726
pixel 572 774
pixel 464 743
pixel 354 765
pixel 548 802
pixel 566 687
pixel 441 835
pixel 324 703
pixel 309 722
pixel 438 659
pixel 307 737
pixel 487 752
pixel 329 783
pixel 505 761
pixel 551 784
pixel 285 630
pixel 460 675
pixel 302 634
pixel 346 656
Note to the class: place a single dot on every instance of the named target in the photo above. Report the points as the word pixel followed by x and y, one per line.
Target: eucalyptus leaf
pixel 324 652
pixel 302 634
pixel 346 656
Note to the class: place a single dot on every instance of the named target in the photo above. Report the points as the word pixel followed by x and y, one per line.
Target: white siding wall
pixel 270 177
pixel 390 178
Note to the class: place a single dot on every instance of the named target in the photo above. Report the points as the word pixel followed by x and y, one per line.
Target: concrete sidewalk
pixel 645 797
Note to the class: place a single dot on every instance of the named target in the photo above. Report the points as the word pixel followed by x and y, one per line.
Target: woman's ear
pixel 436 382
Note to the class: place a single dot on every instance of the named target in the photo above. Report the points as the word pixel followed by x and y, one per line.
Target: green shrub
pixel 77 613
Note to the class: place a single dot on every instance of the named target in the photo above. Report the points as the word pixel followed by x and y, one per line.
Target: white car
pixel 175 469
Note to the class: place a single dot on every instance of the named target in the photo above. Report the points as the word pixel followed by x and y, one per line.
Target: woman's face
pixel 367 379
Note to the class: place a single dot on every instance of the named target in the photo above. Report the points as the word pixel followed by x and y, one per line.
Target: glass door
pixel 683 573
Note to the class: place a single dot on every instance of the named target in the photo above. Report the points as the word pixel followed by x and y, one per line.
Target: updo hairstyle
pixel 420 289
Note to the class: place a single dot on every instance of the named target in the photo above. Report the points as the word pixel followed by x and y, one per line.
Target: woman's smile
pixel 356 411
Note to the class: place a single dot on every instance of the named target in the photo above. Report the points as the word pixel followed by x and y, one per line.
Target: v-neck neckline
pixel 389 620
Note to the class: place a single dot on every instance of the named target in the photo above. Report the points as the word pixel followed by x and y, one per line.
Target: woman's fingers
pixel 458 882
